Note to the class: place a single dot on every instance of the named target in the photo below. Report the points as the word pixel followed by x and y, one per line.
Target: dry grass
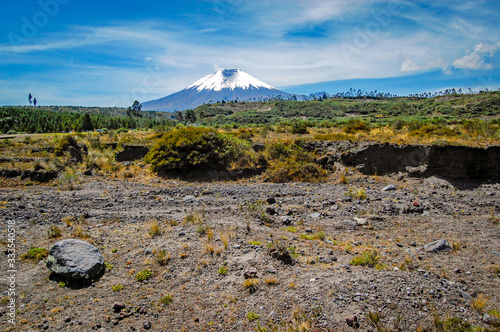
pixel 80 233
pixel 154 229
pixel 271 281
pixel 479 302
pixel 209 247
pixel 224 237
pixel 251 284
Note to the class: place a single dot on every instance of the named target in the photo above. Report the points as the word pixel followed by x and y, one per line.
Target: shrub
pixel 143 275
pixel 35 254
pixel 161 256
pixel 279 150
pixel 252 316
pixel 154 229
pixel 293 170
pixel 251 285
pixel 117 288
pixel 367 258
pixel 299 127
pixel 54 232
pixel 354 126
pixel 194 149
pixel 223 270
pixel 166 300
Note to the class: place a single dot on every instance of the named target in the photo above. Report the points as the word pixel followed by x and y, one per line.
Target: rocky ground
pixel 322 226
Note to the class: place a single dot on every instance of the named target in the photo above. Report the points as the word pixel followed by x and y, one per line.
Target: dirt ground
pixel 322 226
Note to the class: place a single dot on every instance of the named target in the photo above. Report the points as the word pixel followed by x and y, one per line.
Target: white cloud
pixel 476 59
pixel 409 65
pixel 147 59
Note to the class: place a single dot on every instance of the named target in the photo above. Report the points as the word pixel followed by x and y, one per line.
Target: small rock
pixel 117 307
pixel 67 319
pixel 389 187
pixel 352 321
pixel 271 200
pixel 286 221
pixel 491 320
pixel 148 251
pixel 360 221
pixel 436 246
pixel 315 215
pixel 271 211
pixel 458 271
pixel 236 246
pixel 271 270
pixel 250 274
pixel 189 199
pixel 87 173
pixel 147 325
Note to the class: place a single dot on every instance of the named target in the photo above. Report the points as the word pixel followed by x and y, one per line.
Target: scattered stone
pixel 287 221
pixel 271 211
pixel 250 274
pixel 491 320
pixel 271 200
pixel 88 173
pixel 189 199
pixel 436 246
pixel 360 221
pixel 271 270
pixel 315 215
pixel 117 307
pixel 147 325
pixel 389 188
pixel 236 246
pixel 75 260
pixel 352 321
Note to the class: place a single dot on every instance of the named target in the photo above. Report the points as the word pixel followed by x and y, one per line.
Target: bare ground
pixel 407 290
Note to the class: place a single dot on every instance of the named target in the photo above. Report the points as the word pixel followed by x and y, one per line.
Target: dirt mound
pixel 450 162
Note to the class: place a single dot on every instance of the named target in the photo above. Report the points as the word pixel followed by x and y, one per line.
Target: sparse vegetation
pixel 251 284
pixel 35 254
pixel 54 232
pixel 154 229
pixel 166 299
pixel 368 258
pixel 143 275
pixel 117 287
pixel 252 316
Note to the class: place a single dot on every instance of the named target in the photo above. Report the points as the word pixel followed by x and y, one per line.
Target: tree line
pixel 26 120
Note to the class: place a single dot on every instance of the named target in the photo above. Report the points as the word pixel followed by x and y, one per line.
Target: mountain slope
pixel 225 84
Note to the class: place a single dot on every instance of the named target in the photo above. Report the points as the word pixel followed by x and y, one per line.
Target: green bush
pixel 195 148
pixel 354 126
pixel 143 275
pixel 293 164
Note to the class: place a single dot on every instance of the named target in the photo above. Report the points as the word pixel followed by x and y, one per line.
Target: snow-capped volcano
pixel 229 79
pixel 225 84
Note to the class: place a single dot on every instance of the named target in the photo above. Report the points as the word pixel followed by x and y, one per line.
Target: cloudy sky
pixel 107 53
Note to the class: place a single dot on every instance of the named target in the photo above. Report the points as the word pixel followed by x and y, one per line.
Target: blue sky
pixel 109 53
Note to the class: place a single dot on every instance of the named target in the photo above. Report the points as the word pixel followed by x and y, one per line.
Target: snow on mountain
pixel 229 79
pixel 225 84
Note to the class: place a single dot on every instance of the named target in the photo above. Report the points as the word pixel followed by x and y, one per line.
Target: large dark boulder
pixel 76 261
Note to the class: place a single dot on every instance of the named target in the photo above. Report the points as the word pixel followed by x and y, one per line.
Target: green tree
pixel 135 110
pixel 87 122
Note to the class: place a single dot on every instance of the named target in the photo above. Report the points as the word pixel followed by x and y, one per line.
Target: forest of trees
pixel 30 120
